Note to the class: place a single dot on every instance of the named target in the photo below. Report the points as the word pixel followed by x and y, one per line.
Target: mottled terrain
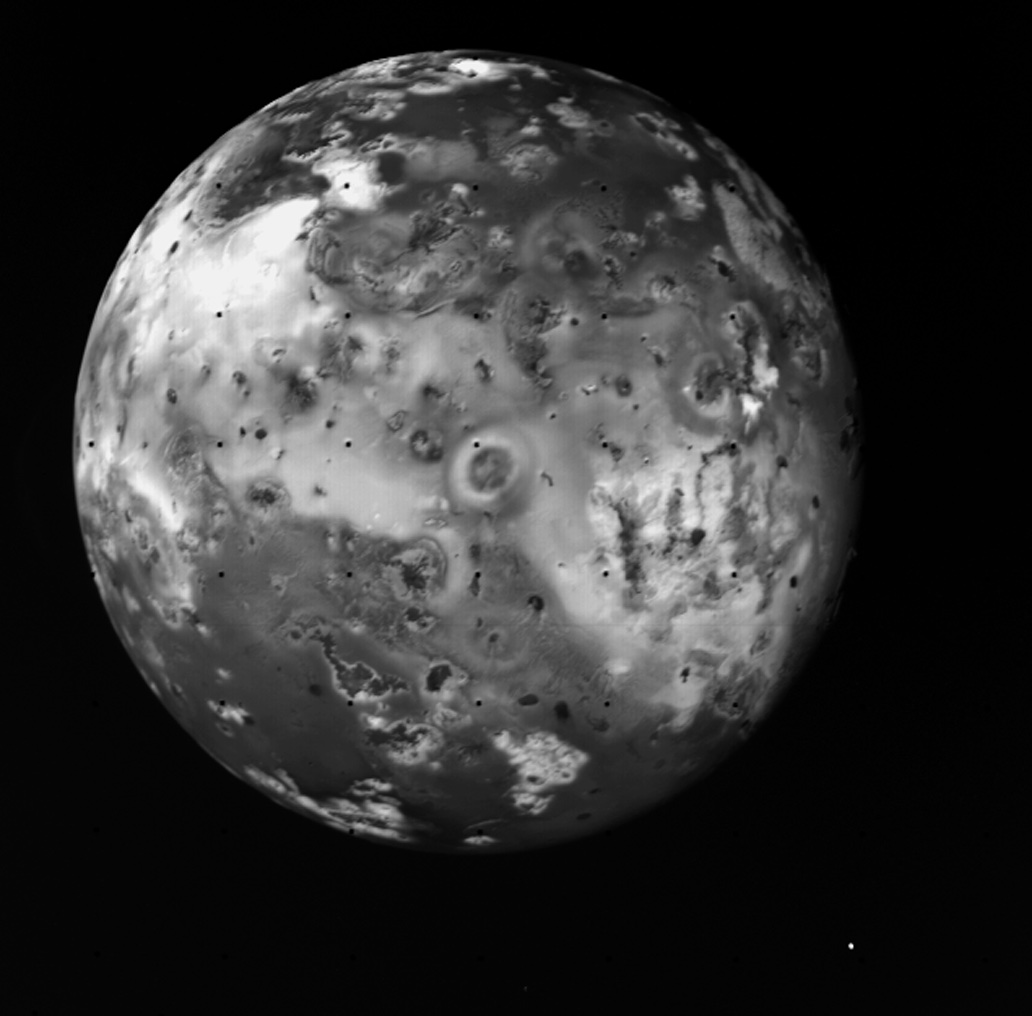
pixel 467 450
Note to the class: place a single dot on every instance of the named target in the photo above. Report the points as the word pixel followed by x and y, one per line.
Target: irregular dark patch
pixel 437 675
pixel 267 496
pixel 391 167
pixel 427 445
pixel 630 550
pixel 337 355
pixel 490 469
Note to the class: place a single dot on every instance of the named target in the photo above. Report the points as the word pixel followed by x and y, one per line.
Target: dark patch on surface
pixel 337 356
pixel 391 167
pixel 630 550
pixel 711 586
pixel 302 393
pixel 420 568
pixel 437 675
pixel 267 495
pixel 623 386
pixel 698 535
pixel 427 445
pixel 528 700
pixel 735 523
pixel 490 469
pixel 562 711
pixel 259 175
pixel 396 421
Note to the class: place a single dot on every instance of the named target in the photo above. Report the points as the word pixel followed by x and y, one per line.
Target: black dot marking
pixel 623 385
pixel 315 689
pixel 698 535
pixel 562 711
pixel 222 574
pixel 347 444
pixel 793 582
pixel 606 703
pixel 172 396
pixel 816 501
pixel 261 433
pixel 536 602
pixel 218 444
pixel 218 313
pixel 330 424
pixel 782 462
pixel 527 700
pixel 574 321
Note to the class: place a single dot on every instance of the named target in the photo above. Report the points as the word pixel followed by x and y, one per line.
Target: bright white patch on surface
pixel 542 762
pixel 752 240
pixel 484 69
pixel 381 817
pixel 479 841
pixel 352 181
pixel 687 198
pixel 228 711
pixel 569 116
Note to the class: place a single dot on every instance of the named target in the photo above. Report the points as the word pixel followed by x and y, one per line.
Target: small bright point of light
pixel 850 945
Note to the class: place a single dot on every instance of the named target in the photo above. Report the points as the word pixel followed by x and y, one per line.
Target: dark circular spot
pixel 698 535
pixel 315 689
pixel 816 501
pixel 562 711
pixel 793 582
pixel 623 385
pixel 171 396
pixel 261 433
pixel 527 700
pixel 536 602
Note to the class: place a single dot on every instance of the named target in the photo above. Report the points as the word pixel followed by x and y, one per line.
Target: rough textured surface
pixel 451 265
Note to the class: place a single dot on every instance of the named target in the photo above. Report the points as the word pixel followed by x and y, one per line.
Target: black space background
pixel 878 807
